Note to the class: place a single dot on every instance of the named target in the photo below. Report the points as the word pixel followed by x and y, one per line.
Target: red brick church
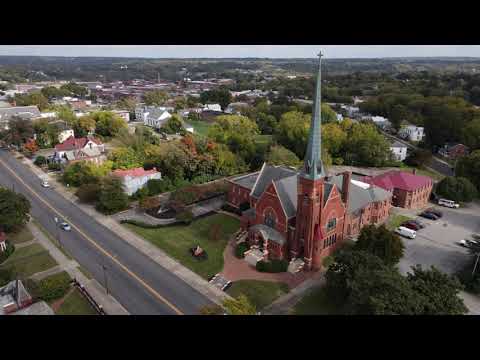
pixel 305 214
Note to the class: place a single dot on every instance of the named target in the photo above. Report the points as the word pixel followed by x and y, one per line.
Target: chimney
pixel 347 177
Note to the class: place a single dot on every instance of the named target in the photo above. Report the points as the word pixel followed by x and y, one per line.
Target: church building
pixel 305 214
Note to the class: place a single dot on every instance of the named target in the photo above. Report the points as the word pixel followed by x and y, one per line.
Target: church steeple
pixel 313 166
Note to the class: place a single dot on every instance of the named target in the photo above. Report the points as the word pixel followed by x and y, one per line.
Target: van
pixel 406 232
pixel 448 203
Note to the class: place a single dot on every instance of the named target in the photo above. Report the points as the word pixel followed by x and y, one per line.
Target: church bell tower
pixel 310 186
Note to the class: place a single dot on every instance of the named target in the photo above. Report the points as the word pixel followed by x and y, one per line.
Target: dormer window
pixel 332 223
pixel 270 219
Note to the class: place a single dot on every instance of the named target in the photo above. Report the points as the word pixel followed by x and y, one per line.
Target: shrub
pixel 149 203
pixel 6 275
pixel 186 216
pixel 156 186
pixel 9 251
pixel 457 189
pixel 88 193
pixel 140 194
pixel 53 166
pixel 244 206
pixel 240 250
pixel 40 160
pixel 54 287
pixel 272 266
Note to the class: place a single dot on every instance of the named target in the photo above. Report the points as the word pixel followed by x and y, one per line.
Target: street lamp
pixel 105 277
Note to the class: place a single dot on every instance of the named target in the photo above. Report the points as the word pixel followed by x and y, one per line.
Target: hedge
pixel 231 209
pixel 9 251
pixel 273 266
pixel 240 250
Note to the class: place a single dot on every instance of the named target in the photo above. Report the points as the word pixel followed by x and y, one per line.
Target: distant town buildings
pixel 24 112
pixel 453 151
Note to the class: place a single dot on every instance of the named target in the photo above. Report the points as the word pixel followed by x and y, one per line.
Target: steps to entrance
pixel 295 266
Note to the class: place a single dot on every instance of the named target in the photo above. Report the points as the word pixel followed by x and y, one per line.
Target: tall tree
pixel 19 131
pixel 14 209
pixel 469 167
pixel 112 196
pixel 155 97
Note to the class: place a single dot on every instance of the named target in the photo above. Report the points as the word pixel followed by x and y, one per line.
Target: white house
pixel 156 118
pixel 351 110
pixel 135 179
pixel 212 107
pixel 412 132
pixel 69 149
pixel 399 151
pixel 339 117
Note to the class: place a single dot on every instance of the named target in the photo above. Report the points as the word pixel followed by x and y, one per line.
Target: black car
pixel 428 215
pixel 418 223
pixel 436 212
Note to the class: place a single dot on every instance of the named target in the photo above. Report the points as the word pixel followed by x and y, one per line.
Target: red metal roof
pixel 137 172
pixel 74 144
pixel 399 179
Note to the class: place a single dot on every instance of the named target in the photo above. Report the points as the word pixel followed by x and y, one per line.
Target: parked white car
pixel 406 232
pixel 65 226
pixel 45 184
pixel 448 203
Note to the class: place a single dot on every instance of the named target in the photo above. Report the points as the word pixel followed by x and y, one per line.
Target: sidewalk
pixel 195 281
pixel 111 306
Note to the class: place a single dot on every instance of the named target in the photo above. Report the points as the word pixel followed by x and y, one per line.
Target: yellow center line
pixel 102 250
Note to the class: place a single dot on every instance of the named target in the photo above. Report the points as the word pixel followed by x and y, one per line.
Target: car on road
pixel 435 212
pixel 448 203
pixel 463 243
pixel 406 232
pixel 428 215
pixel 65 226
pixel 45 184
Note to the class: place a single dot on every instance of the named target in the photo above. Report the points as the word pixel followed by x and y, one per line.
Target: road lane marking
pixel 101 249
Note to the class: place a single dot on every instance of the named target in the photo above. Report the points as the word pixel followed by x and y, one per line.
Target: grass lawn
pixel 260 293
pixel 51 238
pixel 317 302
pixel 177 240
pixel 21 236
pixel 424 171
pixel 395 220
pixel 200 127
pixel 75 304
pixel 30 260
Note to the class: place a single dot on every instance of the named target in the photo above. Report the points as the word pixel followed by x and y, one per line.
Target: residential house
pixel 135 179
pixel 412 133
pixel 212 107
pixel 82 149
pixel 409 190
pixel 24 112
pixel 236 107
pixel 124 114
pixel 453 151
pixel 399 150
pixel 15 300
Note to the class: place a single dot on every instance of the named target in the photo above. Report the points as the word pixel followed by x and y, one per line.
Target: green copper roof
pixel 313 167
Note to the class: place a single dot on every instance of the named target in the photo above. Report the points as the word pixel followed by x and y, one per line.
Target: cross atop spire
pixel 313 166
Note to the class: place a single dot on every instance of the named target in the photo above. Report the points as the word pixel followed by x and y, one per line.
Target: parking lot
pixel 437 243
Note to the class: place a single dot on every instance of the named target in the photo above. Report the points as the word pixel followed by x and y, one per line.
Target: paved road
pixel 437 164
pixel 137 282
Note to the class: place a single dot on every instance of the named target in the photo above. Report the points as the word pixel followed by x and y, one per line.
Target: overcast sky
pixel 225 51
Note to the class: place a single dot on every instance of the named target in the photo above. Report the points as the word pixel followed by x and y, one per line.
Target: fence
pixel 98 308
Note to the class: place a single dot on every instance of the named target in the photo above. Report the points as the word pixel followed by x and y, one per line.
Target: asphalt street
pixel 141 285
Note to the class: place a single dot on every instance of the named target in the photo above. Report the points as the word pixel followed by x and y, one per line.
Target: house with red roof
pixel 80 149
pixel 135 179
pixel 409 190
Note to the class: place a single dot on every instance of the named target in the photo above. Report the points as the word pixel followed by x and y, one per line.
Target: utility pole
pixel 105 277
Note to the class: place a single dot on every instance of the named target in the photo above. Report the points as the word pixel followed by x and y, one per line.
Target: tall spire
pixel 313 166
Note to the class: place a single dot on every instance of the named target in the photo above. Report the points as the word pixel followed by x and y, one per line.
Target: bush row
pixel 240 250
pixel 272 266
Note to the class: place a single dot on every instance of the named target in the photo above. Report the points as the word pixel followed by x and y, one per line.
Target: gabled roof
pixel 399 180
pixel 137 172
pixel 246 181
pixel 75 144
pixel 268 174
pixel 287 193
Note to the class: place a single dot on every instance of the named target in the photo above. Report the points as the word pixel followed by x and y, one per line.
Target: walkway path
pixel 111 306
pixel 238 269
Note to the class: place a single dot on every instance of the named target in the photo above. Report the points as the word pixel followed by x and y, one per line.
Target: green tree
pixel 19 131
pixel 35 98
pixel 84 125
pixel 84 172
pixel 66 114
pixel 221 96
pixel 471 134
pixel 381 242
pixel 127 103
pixel 469 167
pixel 457 189
pixel 239 306
pixel 125 158
pixel 328 115
pixel 292 132
pixel 108 123
pixel 14 209
pixel 155 97
pixel 75 89
pixel 279 155
pixel 438 290
pixel 173 125
pixel 51 92
pixel 112 197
